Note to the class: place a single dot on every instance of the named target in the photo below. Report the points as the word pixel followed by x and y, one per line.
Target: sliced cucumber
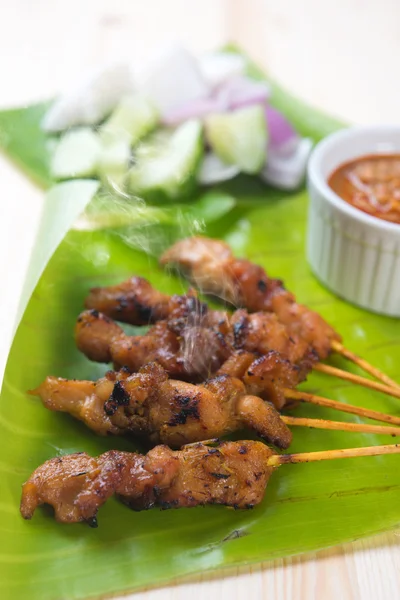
pixel 133 118
pixel 113 163
pixel 167 169
pixel 76 154
pixel 239 138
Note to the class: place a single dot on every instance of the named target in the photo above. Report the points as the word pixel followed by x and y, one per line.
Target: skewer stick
pixel 368 383
pixel 303 457
pixel 349 408
pixel 363 364
pixel 341 426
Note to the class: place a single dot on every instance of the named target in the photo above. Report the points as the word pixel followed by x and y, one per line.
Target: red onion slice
pixel 287 172
pixel 240 91
pixel 195 109
pixel 282 135
pixel 214 170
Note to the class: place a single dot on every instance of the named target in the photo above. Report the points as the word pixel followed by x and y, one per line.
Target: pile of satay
pixel 195 376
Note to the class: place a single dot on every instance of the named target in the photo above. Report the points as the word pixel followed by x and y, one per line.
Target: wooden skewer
pixel 363 364
pixel 281 459
pixel 340 426
pixel 349 408
pixel 368 383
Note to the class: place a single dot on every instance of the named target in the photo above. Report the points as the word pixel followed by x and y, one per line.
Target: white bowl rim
pixel 316 177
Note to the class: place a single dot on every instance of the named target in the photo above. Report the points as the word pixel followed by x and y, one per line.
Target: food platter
pixel 308 507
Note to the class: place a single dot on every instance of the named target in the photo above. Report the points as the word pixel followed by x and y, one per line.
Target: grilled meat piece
pixel 233 474
pixel 192 345
pixel 210 265
pixel 162 410
pixel 185 350
pixel 135 301
pixel 76 485
pixel 267 376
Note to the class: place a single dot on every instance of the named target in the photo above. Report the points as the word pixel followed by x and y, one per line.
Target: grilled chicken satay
pixel 137 302
pixel 257 332
pixel 185 349
pixel 211 265
pixel 163 410
pixel 234 474
pixel 102 340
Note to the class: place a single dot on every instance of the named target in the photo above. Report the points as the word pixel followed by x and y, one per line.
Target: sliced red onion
pixel 214 170
pixel 195 109
pixel 287 172
pixel 217 67
pixel 91 99
pixel 175 80
pixel 240 91
pixel 282 135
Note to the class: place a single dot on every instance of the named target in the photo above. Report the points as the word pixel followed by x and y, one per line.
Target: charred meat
pixel 233 474
pixel 150 405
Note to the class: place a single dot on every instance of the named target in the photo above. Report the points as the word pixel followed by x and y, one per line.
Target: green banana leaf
pixel 306 506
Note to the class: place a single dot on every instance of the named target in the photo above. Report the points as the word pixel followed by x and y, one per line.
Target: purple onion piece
pixel 287 172
pixel 282 135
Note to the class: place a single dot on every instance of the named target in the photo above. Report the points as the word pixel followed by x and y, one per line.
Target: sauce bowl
pixel 356 255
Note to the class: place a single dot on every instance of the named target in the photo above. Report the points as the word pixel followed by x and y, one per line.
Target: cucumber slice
pixel 76 154
pixel 134 117
pixel 239 138
pixel 166 169
pixel 113 163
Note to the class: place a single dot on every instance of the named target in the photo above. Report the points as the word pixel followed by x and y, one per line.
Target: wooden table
pixel 324 53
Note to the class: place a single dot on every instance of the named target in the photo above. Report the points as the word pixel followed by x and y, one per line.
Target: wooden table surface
pixel 43 44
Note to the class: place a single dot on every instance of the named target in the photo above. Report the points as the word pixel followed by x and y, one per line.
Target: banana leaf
pixel 306 506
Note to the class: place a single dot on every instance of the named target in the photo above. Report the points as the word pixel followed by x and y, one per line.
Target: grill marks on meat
pixel 150 405
pixel 194 344
pixel 212 267
pixel 135 301
pixel 234 474
pixel 184 348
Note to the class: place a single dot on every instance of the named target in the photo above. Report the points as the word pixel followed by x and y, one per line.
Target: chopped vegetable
pixel 217 67
pixel 213 170
pixel 168 170
pixel 77 154
pixel 174 80
pixel 114 159
pixel 133 118
pixel 282 135
pixel 239 138
pixel 285 171
pixel 242 91
pixel 194 109
pixel 91 100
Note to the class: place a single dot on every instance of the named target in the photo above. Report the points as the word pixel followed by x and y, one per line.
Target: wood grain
pixel 43 44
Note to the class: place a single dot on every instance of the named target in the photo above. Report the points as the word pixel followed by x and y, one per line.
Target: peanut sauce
pixel 370 183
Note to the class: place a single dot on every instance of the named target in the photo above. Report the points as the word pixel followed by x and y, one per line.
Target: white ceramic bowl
pixel 354 254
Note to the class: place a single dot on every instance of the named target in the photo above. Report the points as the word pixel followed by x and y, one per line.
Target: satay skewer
pixel 357 380
pixel 340 426
pixel 211 266
pixel 137 302
pixel 233 474
pixel 151 405
pixel 189 352
pixel 305 457
pixel 341 406
pixel 269 376
pixel 363 364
